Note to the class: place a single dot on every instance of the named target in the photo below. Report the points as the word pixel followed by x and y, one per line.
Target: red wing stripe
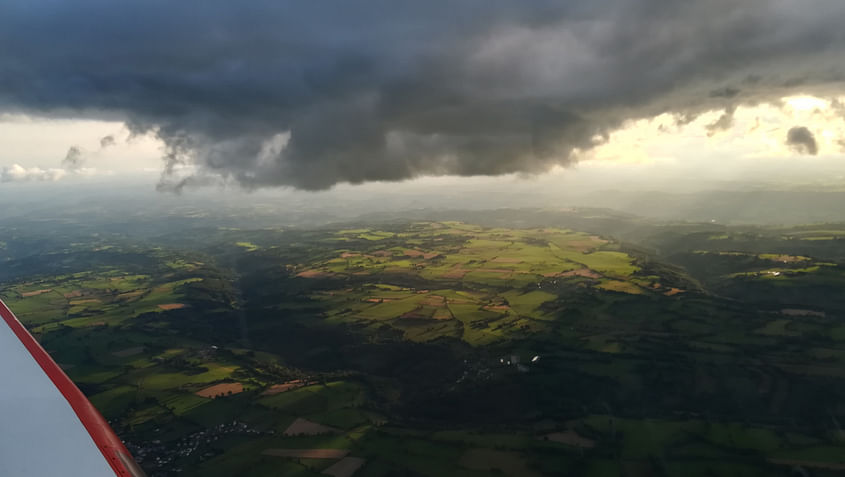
pixel 111 447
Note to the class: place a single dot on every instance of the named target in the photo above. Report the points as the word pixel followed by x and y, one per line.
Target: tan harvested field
pixel 379 300
pixel 586 245
pixel 280 388
pixel 36 292
pixel 172 306
pixel 349 254
pixel 673 291
pixel 571 438
pixel 491 460
pixel 582 272
pixel 84 302
pixel 498 308
pixel 314 274
pixel 304 427
pixel 383 253
pixel 308 453
pixel 125 353
pixel 345 467
pixel 222 389
pixel 74 294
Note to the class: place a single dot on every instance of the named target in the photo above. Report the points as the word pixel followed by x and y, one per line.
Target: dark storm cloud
pixel 309 94
pixel 802 141
pixel 726 92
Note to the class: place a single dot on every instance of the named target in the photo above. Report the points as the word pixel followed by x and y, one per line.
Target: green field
pixel 490 284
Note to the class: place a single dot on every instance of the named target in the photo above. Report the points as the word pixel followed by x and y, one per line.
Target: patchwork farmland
pixel 449 348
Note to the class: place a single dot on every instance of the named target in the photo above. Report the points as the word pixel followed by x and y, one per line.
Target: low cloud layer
pixel 802 141
pixel 310 94
pixel 74 162
pixel 18 173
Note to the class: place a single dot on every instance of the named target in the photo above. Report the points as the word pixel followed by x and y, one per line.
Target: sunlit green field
pixel 457 280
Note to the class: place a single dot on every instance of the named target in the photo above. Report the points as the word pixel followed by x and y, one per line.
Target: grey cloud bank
pixel 802 140
pixel 311 94
pixel 74 159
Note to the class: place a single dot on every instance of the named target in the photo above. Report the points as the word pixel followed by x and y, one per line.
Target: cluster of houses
pixel 164 458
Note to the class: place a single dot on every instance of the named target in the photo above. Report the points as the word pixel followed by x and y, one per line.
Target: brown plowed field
pixel 222 389
pixel 308 453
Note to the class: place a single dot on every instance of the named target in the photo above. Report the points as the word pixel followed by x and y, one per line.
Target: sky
pixel 320 95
